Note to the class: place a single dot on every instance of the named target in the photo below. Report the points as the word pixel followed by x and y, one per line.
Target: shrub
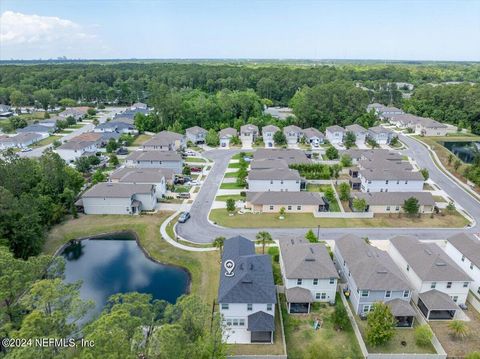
pixel 423 335
pixel 340 317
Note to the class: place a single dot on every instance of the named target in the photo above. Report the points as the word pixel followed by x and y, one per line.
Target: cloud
pixel 17 28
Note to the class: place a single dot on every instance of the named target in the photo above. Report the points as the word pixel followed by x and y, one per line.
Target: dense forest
pixel 215 95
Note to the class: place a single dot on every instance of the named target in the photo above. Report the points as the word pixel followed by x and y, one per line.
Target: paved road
pixel 199 229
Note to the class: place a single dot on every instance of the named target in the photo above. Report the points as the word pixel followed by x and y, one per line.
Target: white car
pixel 26 149
pixel 191 153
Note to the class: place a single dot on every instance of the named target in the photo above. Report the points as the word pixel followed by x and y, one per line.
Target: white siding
pixel 274 185
pixel 471 269
pixel 391 186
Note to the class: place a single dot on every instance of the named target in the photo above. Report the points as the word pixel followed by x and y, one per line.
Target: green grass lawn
pixel 237 155
pixel 317 187
pixel 234 165
pixel 140 139
pixel 46 141
pixel 326 342
pixel 439 199
pixel 203 266
pixel 182 189
pixel 224 198
pixel 231 174
pixel 231 186
pixel 195 159
pixel 307 220
pixel 334 206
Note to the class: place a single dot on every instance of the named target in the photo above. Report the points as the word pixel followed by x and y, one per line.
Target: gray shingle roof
pixel 379 129
pixel 116 190
pixel 154 156
pixel 195 130
pixel 312 132
pixel 292 129
pixel 261 322
pixel 270 128
pixel 274 174
pixel 252 281
pixel 391 174
pixel 228 132
pixel 290 156
pixel 76 145
pixel 428 260
pixel 468 246
pixel 249 128
pixel 164 138
pixel 335 128
pixel 436 300
pixel 268 163
pixel 370 267
pixel 127 174
pixel 305 260
pixel 395 198
pixel 401 308
pixel 355 128
pixel 285 198
pixel 298 295
pixel 36 128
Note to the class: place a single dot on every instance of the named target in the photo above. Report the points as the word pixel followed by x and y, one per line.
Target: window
pixel 365 293
pixel 269 306
pixel 315 281
pixel 397 208
pixel 289 208
pixel 406 182
pixel 299 208
pixel 386 181
pixel 317 295
pixel 398 182
pixel 465 284
pixel 271 182
pixel 463 258
pixel 235 322
pixel 449 284
pixel 249 306
pixel 455 298
pixel 406 293
pixel 388 208
pixel 324 296
pixel 349 274
pixel 332 280
pixel 229 322
pixel 225 306
pixel 241 322
pixel 408 267
pixel 388 294
pixel 433 285
pixel 366 308
pixel 471 265
pixel 271 208
pixel 299 281
pixel 281 182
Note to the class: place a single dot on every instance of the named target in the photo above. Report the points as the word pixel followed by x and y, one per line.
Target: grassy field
pixel 326 342
pixel 306 220
pixel 141 139
pixel 231 186
pixel 317 187
pixel 234 165
pixel 195 160
pixel 231 174
pixel 46 141
pixel 203 267
pixel 224 198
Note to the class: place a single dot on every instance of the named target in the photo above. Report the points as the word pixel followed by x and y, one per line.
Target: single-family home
pixel 376 107
pixel 246 294
pixel 293 134
pixel 49 122
pixel 122 172
pixel 334 134
pixel 294 202
pixel 359 132
pixel 248 134
pixel 429 127
pixel 44 131
pixel 77 113
pixel 290 156
pixel 153 176
pixel 267 135
pixel 464 249
pixel 380 135
pixel 226 135
pixel 155 159
pixel 72 150
pixel 371 276
pixel 21 140
pixel 274 179
pixel 166 141
pixel 439 284
pixel 196 134
pixel 313 136
pixel 308 274
pixel 392 202
pixel 387 111
pixel 5 111
pixel 118 198
pixel 390 180
pixel 114 126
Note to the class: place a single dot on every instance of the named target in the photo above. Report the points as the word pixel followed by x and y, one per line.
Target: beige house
pixel 392 202
pixel 293 202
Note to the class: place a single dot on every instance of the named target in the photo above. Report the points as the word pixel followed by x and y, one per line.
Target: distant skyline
pixel 214 29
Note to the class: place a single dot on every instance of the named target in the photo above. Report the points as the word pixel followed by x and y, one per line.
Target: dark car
pixel 122 151
pixel 183 195
pixel 184 216
pixel 196 169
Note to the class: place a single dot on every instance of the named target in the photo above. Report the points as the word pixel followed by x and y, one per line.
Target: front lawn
pixel 325 342
pixel 237 156
pixel 231 174
pixel 195 159
pixel 181 189
pixel 307 220
pixel 46 141
pixel 231 186
pixel 234 165
pixel 224 198
pixel 203 266
pixel 317 187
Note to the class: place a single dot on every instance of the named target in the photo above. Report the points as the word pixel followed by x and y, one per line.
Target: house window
pixel 463 258
pixel 269 306
pixel 324 296
pixel 397 208
pixel 289 208
pixel 366 308
pixel 406 293
pixel 332 280
pixel 229 322
pixel 281 182
pixel 455 298
pixel 271 208
pixel 386 181
pixel 249 306
pixel 299 208
pixel 365 293
pixel 388 294
pixel 225 306
pixel 344 263
pixel 388 208
pixel 235 322
pixel 271 182
pixel 408 267
pixel 241 322
pixel 349 274
pixel 449 284
pixel 433 285
pixel 406 182
pixel 465 284
pixel 471 265
pixel 398 182
pixel 315 281
pixel 317 295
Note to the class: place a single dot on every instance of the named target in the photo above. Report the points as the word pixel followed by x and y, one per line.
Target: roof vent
pixel 428 251
pixel 440 263
pixel 292 241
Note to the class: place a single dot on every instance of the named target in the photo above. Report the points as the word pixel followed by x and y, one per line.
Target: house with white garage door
pixel 334 134
pixel 248 135
pixel 380 135
pixel 293 134
pixel 196 134
pixel 313 136
pixel 247 294
pixel 226 136
pixel 359 132
pixel 308 274
pixel 267 135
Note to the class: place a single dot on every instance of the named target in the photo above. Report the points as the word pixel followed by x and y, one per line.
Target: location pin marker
pixel 229 265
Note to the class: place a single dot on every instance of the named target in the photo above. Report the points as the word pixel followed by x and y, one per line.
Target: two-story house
pixel 334 134
pixel 274 179
pixel 267 135
pixel 464 249
pixel 155 159
pixel 293 134
pixel 359 132
pixel 439 284
pixel 371 277
pixel 390 180
pixel 226 136
pixel 313 136
pixel 248 135
pixel 380 135
pixel 196 134
pixel 308 274
pixel 246 294
pixel 166 141
pixel 155 176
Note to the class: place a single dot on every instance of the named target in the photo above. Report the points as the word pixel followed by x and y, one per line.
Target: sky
pixel 227 29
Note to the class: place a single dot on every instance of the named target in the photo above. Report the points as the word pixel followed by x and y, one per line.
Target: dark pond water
pixel 462 150
pixel 116 264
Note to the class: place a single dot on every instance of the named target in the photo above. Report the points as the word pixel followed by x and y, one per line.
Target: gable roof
pixel 252 279
pixel 290 156
pixel 270 128
pixel 228 132
pixel 355 128
pixel 274 174
pixel 261 322
pixel 468 246
pixel 36 128
pixel 370 267
pixel 436 300
pixel 154 156
pixel 292 128
pixel 395 198
pixel 305 260
pixel 164 138
pixel 379 129
pixel 312 132
pixel 127 174
pixel 298 295
pixel 195 130
pixel 335 128
pixel 249 128
pixel 116 190
pixel 285 198
pixel 391 174
pixel 428 260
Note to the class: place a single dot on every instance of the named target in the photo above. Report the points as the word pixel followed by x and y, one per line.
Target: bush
pixel 331 153
pixel 423 335
pixel 380 325
pixel 340 317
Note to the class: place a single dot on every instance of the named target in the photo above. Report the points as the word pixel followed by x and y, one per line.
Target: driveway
pixel 199 229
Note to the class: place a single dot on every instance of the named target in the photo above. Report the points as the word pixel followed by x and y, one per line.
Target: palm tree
pixel 218 243
pixel 458 328
pixel 264 237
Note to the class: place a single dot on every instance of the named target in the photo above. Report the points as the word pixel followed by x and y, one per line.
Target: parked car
pixel 184 216
pixel 191 153
pixel 122 151
pixel 183 195
pixel 196 169
pixel 195 183
pixel 26 149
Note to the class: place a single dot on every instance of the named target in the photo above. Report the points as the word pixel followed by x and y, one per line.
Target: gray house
pixel 267 135
pixel 359 132
pixel 246 294
pixel 166 141
pixel 226 136
pixel 313 136
pixel 155 159
pixel 380 135
pixel 196 134
pixel 371 277
pixel 293 134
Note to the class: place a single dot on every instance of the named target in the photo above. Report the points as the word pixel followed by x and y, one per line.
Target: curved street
pixel 200 230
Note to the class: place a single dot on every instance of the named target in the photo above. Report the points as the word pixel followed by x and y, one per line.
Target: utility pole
pixel 318 232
